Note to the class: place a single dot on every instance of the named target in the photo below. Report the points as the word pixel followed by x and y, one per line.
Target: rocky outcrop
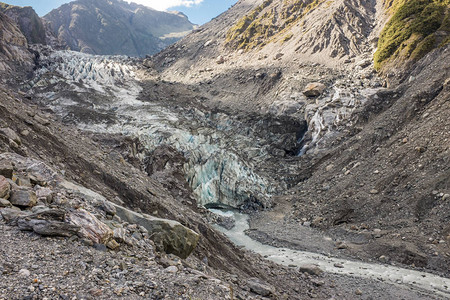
pixel 13 45
pixel 169 236
pixel 115 27
pixel 28 21
pixel 66 219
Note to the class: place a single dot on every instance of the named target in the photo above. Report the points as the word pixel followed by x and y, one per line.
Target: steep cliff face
pixel 116 27
pixel 28 21
pixel 13 45
pixel 279 32
pixel 335 29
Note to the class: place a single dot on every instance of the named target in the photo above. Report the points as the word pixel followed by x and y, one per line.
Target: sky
pixel 198 11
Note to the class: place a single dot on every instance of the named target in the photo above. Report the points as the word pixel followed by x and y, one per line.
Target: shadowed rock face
pixel 28 21
pixel 13 45
pixel 116 27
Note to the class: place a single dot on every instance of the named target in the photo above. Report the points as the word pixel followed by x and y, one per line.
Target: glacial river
pixel 388 274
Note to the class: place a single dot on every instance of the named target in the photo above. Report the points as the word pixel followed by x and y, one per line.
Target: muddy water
pixel 389 274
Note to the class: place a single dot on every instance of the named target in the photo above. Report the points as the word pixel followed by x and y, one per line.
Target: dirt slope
pixel 384 190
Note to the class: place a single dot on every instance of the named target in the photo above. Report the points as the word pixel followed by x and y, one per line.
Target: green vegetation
pixel 263 24
pixel 249 30
pixel 415 28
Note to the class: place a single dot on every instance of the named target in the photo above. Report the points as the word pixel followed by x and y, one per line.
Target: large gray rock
pixel 11 215
pixel 48 227
pixel 259 287
pixel 5 187
pixel 169 236
pixel 46 222
pixel 23 198
pixel 10 134
pixel 311 269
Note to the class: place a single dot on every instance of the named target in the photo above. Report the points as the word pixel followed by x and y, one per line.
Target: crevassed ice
pixel 214 170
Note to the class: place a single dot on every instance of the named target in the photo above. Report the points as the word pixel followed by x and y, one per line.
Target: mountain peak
pixel 116 27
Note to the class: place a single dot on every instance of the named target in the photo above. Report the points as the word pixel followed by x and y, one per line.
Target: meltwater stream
pixel 285 256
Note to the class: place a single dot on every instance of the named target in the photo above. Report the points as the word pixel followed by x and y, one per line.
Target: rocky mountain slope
pixel 13 47
pixel 115 27
pixel 29 22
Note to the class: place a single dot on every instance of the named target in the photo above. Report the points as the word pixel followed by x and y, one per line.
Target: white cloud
pixel 165 4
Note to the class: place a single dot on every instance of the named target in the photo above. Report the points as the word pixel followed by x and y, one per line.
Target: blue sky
pixel 198 11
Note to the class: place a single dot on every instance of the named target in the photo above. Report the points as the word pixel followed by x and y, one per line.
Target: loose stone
pixel 5 187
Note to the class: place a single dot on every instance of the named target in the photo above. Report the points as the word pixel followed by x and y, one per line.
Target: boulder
pixel 43 194
pixel 314 89
pixel 41 120
pixel 220 60
pixel 260 288
pixel 11 215
pixel 120 234
pixel 48 227
pixel 278 55
pixel 23 197
pixel 90 227
pixel 5 187
pixel 37 179
pixel 5 203
pixel 6 169
pixel 311 269
pixel 10 134
pixel 112 244
pixel 108 208
pixel 169 236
